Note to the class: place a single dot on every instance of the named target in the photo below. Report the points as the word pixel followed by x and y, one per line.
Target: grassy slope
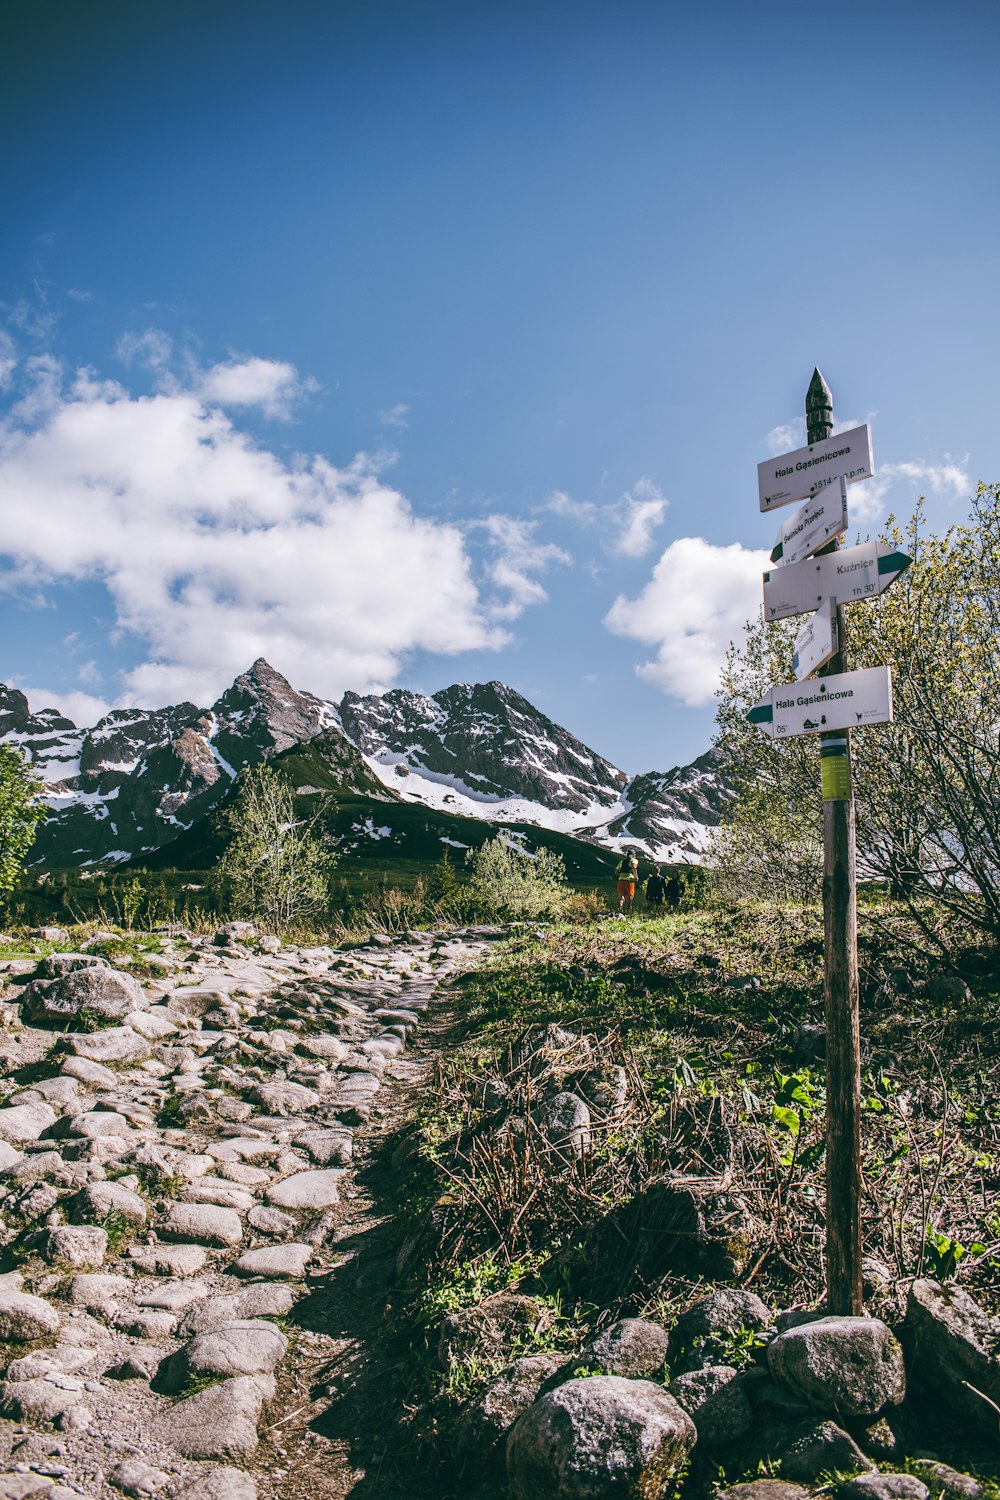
pixel 411 848
pixel 703 1055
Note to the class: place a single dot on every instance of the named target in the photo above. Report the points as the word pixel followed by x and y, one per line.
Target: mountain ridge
pixel 138 779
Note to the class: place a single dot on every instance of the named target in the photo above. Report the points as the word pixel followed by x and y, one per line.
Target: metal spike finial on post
pixel 819 409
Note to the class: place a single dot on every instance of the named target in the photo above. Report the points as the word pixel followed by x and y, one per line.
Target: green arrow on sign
pixel 762 712
pixel 893 562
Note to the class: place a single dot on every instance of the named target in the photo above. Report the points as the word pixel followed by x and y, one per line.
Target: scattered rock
pixel 24 1318
pixel 288 1260
pixel 219 1422
pixel 315 1190
pixel 764 1489
pixel 86 997
pixel 820 1450
pixel 631 1348
pixel 716 1400
pixel 138 1479
pixel 850 1366
pixel 487 1420
pixel 99 1200
pixel 243 1347
pixel 885 1487
pixel 490 1330
pixel 21 1123
pixel 596 1437
pixel 220 1484
pixel 954 1341
pixel 202 1224
pixel 564 1124
pixel 949 1482
pixel 705 1334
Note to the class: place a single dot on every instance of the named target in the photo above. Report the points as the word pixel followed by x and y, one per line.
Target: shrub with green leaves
pixel 509 883
pixel 20 813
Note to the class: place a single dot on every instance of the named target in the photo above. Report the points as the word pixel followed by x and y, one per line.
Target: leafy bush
pixel 508 882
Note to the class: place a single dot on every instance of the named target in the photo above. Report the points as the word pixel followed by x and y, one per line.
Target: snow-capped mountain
pixel 140 778
pixel 485 752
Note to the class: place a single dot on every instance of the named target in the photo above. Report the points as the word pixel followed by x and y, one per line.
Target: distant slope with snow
pixel 141 779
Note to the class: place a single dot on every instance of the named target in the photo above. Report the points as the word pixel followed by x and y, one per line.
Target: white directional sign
pixel 850 574
pixel 812 526
pixel 849 700
pixel 817 641
pixel 793 476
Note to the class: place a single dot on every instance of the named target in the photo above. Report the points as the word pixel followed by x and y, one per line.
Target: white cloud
pixel 696 602
pixel 787 435
pixel 271 384
pixel 395 416
pixel 638 514
pixel 152 349
pixel 8 358
pixel 949 480
pixel 215 550
pixel 561 504
pixel 518 557
pixel 83 708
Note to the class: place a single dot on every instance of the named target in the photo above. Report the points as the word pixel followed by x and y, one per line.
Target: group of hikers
pixel 661 891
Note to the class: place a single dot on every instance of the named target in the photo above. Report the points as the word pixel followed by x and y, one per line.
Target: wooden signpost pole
pixel 840 921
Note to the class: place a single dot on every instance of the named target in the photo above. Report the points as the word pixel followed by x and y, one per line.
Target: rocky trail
pixel 195 1252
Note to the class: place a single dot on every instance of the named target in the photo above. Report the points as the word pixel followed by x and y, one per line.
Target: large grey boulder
pixel 716 1400
pixel 487 1420
pixel 631 1348
pixel 823 1449
pixel 22 1123
pixel 596 1438
pixel 24 1318
pixel 246 1346
pixel 83 998
pixel 220 1422
pixel 954 1341
pixel 706 1334
pixel 852 1367
pixel 564 1125
pixel 490 1330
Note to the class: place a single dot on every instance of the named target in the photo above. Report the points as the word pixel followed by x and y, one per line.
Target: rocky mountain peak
pixel 14 711
pixel 283 716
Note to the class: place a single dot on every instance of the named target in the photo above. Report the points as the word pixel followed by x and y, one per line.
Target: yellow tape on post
pixel 835 770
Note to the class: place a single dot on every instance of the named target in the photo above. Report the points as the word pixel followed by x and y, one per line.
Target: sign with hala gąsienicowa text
pixel 793 476
pixel 845 701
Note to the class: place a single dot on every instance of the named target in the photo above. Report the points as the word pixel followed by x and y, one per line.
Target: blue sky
pixel 434 343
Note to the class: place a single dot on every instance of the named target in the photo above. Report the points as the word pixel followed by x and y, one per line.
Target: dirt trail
pixel 197 1217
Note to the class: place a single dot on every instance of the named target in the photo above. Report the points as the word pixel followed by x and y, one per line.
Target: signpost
pixel 846 575
pixel 847 701
pixel 830 706
pixel 793 476
pixel 817 641
pixel 822 517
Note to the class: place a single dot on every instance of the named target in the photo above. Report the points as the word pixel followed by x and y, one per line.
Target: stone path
pixel 172 1183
